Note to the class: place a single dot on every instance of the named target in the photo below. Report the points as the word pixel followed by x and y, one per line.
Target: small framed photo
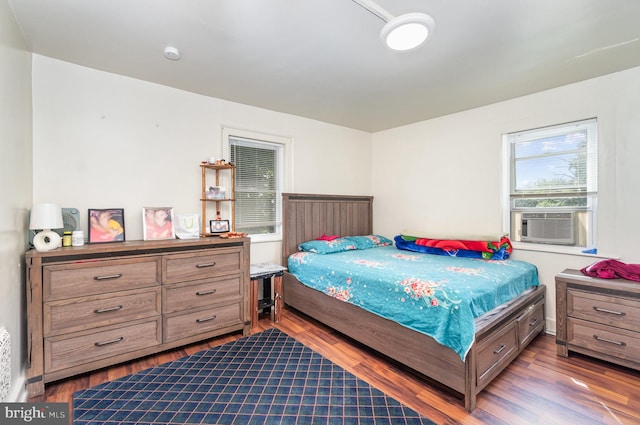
pixel 157 224
pixel 106 225
pixel 219 226
pixel 216 192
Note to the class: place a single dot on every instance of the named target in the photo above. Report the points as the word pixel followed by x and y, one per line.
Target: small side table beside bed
pixel 271 277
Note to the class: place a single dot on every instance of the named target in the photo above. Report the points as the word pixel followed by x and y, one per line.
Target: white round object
pixel 408 31
pixel 47 240
pixel 171 53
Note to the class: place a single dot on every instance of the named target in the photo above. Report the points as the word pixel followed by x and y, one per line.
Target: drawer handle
pixel 213 291
pixel 206 319
pixel 108 309
pixel 500 350
pixel 205 265
pixel 604 310
pixel 113 341
pixel 107 277
pixel 533 322
pixel 610 341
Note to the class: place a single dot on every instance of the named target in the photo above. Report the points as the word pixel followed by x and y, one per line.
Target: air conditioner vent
pixel 548 227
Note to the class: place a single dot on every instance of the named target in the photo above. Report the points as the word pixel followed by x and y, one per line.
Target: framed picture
pixel 157 224
pixel 216 192
pixel 106 225
pixel 219 226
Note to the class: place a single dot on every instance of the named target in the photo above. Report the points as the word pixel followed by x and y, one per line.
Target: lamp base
pixel 47 240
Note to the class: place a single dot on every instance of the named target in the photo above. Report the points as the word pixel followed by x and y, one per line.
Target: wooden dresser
pixel 598 317
pixel 96 305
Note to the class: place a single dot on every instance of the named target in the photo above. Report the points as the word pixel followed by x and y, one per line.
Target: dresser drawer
pixel 177 326
pixel 183 297
pixel 67 351
pixel 604 339
pixel 202 265
pixel 100 310
pixel 495 351
pixel 97 277
pixel 615 311
pixel 531 323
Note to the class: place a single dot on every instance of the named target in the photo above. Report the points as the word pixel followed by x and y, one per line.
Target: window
pixel 553 183
pixel 259 161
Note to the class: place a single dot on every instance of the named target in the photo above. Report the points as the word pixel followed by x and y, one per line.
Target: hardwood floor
pixel 537 388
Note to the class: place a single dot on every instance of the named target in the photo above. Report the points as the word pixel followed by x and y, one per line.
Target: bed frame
pixel 500 336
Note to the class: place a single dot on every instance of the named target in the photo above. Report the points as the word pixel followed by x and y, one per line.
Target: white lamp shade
pixel 46 216
pixel 408 31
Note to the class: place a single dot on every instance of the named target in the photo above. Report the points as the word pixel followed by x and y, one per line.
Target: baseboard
pixel 550 327
pixel 18 390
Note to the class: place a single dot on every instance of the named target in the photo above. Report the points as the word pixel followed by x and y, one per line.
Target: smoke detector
pixel 171 53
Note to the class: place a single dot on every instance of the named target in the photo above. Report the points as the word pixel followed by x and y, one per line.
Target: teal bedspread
pixel 436 295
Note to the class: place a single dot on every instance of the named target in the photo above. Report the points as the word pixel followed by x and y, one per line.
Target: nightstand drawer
pixel 177 326
pixel 81 348
pixel 620 312
pixel 604 339
pixel 98 277
pixel 183 297
pixel 100 310
pixel 189 267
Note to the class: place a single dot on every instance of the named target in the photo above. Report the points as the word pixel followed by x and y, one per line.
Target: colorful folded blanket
pixel 488 250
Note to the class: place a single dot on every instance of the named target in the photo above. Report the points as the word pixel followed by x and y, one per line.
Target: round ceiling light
pixel 408 31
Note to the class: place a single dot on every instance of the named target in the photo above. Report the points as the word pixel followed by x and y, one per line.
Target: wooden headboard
pixel 306 217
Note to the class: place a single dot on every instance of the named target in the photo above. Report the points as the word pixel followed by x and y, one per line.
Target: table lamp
pixel 46 217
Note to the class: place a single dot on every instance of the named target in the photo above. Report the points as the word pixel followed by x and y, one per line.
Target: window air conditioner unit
pixel 552 228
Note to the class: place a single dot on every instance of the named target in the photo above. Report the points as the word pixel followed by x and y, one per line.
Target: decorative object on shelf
pixel 77 238
pixel 216 192
pixel 157 224
pixel 106 225
pixel 46 217
pixel 233 235
pixel 187 226
pixel 70 219
pixel 66 238
pixel 219 226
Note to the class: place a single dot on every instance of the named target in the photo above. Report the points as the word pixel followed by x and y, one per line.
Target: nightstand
pixel 598 317
pixel 271 294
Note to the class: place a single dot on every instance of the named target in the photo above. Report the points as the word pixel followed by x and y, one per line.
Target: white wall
pixel 15 190
pixel 106 141
pixel 445 174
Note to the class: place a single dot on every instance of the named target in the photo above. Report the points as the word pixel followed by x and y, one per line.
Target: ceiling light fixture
pixel 404 32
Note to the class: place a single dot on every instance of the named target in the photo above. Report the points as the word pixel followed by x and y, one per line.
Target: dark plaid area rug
pixel 266 378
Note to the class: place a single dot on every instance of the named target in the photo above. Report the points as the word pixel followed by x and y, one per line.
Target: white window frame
pixel 509 193
pixel 285 170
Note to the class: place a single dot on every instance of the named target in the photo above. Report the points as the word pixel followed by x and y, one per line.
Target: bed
pixel 500 334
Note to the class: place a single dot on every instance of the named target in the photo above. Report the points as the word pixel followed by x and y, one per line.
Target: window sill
pixel 558 249
pixel 265 238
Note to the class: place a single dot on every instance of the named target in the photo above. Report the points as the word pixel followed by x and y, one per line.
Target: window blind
pixel 257 186
pixel 557 160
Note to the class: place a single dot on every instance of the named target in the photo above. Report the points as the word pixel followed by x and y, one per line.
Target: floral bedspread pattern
pixel 436 295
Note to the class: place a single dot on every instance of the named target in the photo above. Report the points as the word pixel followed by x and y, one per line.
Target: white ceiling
pixel 323 59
